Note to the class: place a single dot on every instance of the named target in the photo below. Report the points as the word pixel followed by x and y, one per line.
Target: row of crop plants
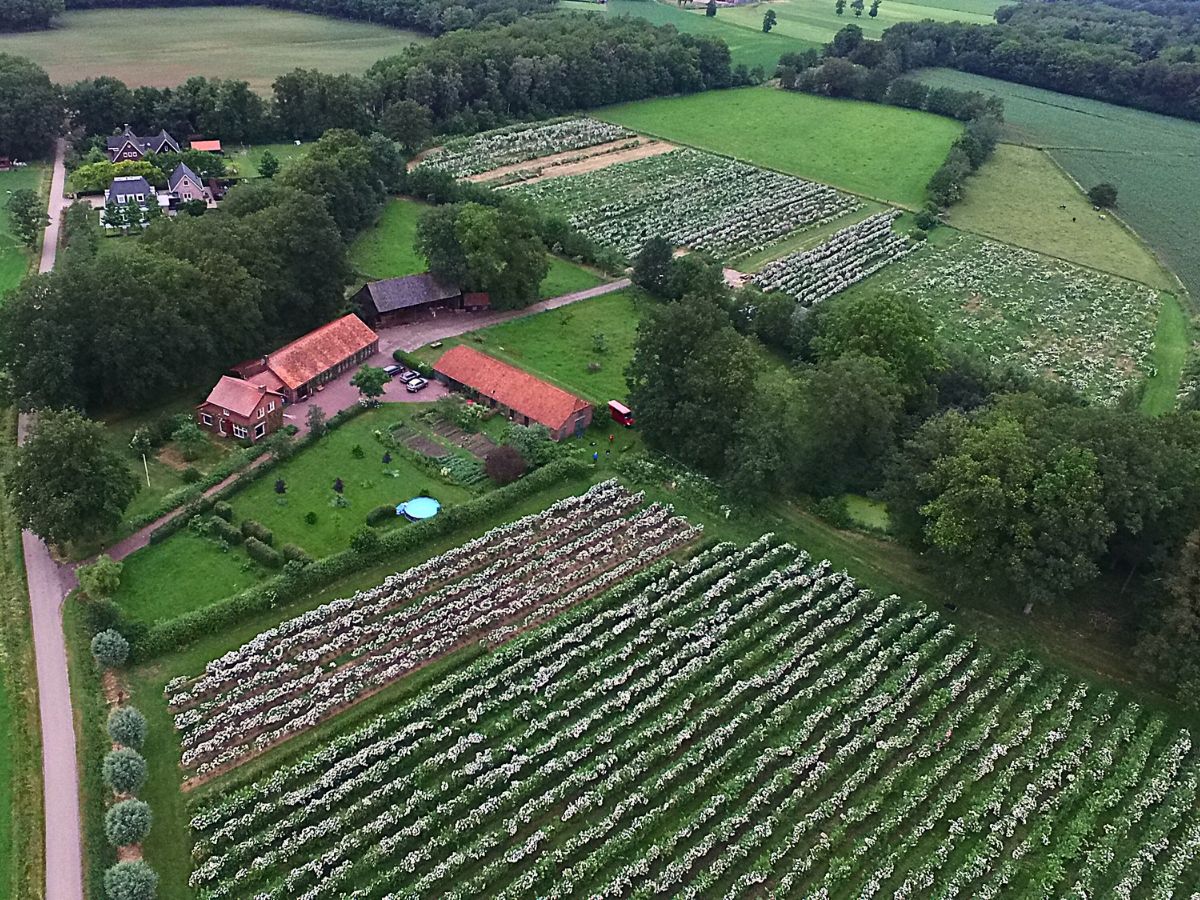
pixel 519 143
pixel 307 669
pixel 746 723
pixel 693 199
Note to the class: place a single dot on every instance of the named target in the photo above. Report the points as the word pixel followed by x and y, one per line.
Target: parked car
pixel 417 384
pixel 407 375
pixel 392 371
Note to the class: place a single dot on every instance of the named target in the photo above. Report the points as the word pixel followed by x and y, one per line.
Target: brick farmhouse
pixel 307 363
pixel 241 410
pixel 522 397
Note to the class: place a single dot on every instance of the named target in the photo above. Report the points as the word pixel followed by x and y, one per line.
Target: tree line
pixel 854 67
pixel 1015 485
pixel 463 82
pixel 431 16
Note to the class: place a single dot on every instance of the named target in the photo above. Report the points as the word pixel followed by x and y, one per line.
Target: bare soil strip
pixel 576 162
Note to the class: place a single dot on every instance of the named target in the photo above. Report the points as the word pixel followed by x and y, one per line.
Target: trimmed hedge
pixel 295 582
pixel 295 553
pixel 224 510
pixel 261 551
pixel 381 514
pixel 222 530
pixel 254 529
pixel 412 362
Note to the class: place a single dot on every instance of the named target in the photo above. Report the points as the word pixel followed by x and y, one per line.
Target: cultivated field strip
pixel 846 258
pixel 290 678
pixel 520 143
pixel 693 199
pixel 745 724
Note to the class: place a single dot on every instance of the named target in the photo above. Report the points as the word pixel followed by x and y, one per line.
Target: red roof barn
pixel 526 399
pixel 300 367
pixel 242 410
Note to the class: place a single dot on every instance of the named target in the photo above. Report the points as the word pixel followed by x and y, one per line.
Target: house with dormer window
pixel 127 146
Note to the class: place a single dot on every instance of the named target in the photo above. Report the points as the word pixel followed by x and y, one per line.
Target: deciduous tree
pixel 370 381
pixel 100 579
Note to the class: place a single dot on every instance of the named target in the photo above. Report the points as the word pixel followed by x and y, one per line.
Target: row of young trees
pixel 1018 487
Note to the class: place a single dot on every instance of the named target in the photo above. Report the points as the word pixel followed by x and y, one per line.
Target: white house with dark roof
pixel 184 185
pixel 131 189
pixel 127 146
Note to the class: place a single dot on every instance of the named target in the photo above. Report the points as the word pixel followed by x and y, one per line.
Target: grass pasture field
pixel 1088 329
pixel 818 21
pixel 1153 160
pixel 161 47
pixel 520 769
pixel 559 345
pixel 880 152
pixel 1020 196
pixel 14 257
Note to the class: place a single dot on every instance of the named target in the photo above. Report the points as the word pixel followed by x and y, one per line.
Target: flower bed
pixel 846 258
pixel 693 199
pixel 747 723
pixel 518 143
pixel 291 677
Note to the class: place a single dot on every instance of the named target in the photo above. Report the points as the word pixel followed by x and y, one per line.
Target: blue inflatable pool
pixel 419 508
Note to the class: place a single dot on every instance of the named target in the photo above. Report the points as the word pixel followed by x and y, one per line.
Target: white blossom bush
pixel 693 199
pixel 747 723
pixel 518 143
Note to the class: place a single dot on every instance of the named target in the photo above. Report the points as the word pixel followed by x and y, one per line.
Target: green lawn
pixel 1021 197
pixel 387 251
pixel 558 345
pixel 186 571
pixel 1152 159
pixel 164 47
pixel 868 513
pixel 1172 342
pixel 14 257
pixel 245 160
pixel 747 46
pixel 818 21
pixel 881 152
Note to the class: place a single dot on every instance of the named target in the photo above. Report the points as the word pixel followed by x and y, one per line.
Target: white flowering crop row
pixel 845 258
pixel 292 677
pixel 1014 307
pixel 693 199
pixel 518 143
pixel 745 724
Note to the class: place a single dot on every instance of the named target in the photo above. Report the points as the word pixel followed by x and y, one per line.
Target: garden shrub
pixel 110 649
pixel 130 880
pixel 505 465
pixel 127 822
pixel 127 727
pixel 264 553
pixel 190 475
pixel 124 770
pixel 365 540
pixel 255 529
pixel 224 510
pixel 833 510
pixel 218 529
pixel 410 361
pixel 381 514
pixel 310 518
pixel 164 637
pixel 295 553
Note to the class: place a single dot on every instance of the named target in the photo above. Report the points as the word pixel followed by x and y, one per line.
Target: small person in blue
pixel 596 457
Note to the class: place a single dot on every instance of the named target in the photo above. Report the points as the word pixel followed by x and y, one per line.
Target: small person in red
pixel 611 438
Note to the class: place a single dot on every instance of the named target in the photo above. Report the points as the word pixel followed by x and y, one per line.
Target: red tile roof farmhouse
pixel 236 395
pixel 512 387
pixel 318 351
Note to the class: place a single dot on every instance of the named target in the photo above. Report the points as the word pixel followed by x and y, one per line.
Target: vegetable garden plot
pixel 693 199
pixel 292 677
pixel 505 146
pixel 746 724
pixel 1091 330
pixel 846 258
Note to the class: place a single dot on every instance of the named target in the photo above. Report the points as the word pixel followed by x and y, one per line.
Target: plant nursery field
pixel 881 152
pixel 746 723
pixel 164 47
pixel 1153 160
pixel 1011 306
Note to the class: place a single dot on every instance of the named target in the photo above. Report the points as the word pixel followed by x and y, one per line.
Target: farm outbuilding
pixel 522 397
pixel 398 301
pixel 307 363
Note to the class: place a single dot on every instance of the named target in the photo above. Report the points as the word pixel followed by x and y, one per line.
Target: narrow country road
pixel 49 583
pixel 54 211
